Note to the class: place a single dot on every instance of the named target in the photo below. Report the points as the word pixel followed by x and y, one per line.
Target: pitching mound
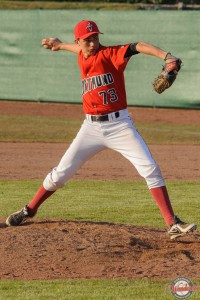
pixel 60 249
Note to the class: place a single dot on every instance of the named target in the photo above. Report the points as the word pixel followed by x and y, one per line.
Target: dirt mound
pixel 60 249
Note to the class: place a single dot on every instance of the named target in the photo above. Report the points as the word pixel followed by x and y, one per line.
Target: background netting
pixel 29 72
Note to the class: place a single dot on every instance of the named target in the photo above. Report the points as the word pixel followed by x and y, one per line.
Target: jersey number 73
pixel 109 95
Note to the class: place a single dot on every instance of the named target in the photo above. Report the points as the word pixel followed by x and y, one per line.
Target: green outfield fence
pixel 30 73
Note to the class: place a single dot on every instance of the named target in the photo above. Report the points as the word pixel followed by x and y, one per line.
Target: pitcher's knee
pixel 154 177
pixel 53 182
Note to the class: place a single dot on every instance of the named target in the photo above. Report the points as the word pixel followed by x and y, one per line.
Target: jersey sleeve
pixel 117 56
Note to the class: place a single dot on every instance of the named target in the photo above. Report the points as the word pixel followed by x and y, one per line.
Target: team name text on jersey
pixel 91 83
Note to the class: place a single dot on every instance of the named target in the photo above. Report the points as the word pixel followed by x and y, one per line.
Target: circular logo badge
pixel 181 288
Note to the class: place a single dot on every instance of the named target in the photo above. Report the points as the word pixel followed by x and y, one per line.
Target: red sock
pixel 161 197
pixel 38 199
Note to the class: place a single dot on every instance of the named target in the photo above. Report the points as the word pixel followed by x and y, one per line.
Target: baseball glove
pixel 167 76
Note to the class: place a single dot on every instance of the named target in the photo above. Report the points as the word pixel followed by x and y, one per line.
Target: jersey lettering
pixel 111 93
pixel 91 83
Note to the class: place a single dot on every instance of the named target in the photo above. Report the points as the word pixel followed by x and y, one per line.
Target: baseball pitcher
pixel 107 122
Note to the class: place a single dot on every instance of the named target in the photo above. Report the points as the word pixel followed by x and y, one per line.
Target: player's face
pixel 90 45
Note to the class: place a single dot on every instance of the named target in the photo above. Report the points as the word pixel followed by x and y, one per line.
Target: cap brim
pixel 85 36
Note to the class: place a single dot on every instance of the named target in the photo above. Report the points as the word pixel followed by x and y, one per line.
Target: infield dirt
pixel 58 249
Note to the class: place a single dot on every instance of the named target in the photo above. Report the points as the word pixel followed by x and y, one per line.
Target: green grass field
pixel 129 202
pixel 98 5
pixel 139 289
pixel 28 129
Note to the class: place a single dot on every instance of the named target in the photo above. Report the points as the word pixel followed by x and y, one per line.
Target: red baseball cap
pixel 85 28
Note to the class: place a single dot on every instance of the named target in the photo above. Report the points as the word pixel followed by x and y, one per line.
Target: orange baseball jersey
pixel 103 85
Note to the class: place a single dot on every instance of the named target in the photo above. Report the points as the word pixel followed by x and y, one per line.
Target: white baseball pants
pixel 119 134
